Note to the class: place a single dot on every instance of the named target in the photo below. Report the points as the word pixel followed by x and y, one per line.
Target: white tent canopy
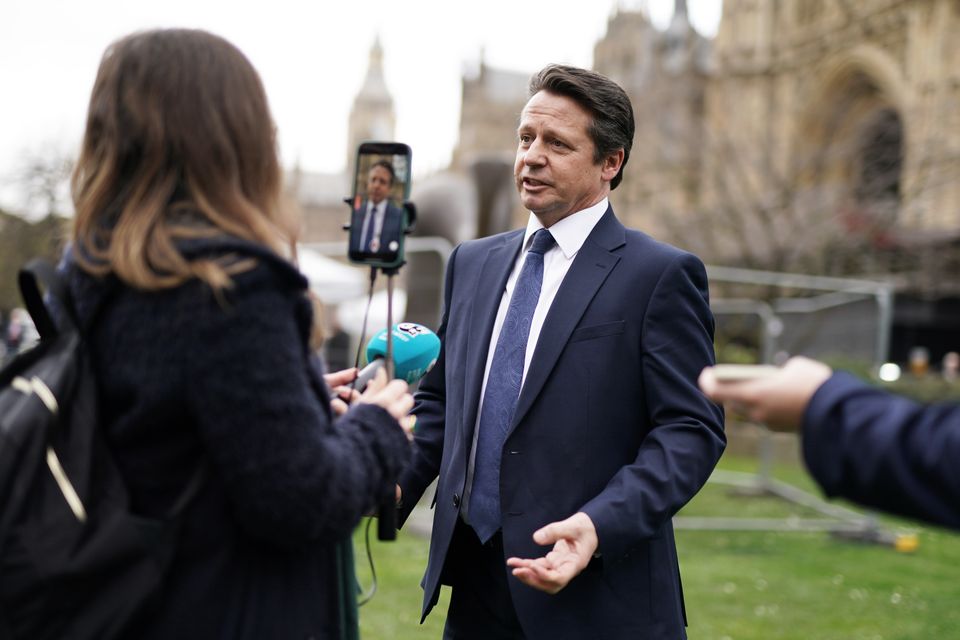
pixel 350 313
pixel 333 281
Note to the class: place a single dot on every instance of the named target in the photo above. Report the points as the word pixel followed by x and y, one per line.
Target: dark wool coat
pixel 188 377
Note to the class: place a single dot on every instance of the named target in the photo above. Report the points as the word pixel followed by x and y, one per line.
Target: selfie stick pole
pixel 390 273
pixel 387 515
pixel 387 512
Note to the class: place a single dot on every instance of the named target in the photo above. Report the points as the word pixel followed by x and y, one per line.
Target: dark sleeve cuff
pixel 823 432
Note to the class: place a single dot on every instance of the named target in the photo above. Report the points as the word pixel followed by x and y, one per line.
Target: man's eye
pixel 525 138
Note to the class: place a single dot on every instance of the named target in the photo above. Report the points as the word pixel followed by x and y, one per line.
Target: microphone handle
pixel 387 517
pixel 387 512
pixel 366 374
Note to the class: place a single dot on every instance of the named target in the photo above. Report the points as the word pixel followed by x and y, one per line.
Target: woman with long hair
pixel 200 331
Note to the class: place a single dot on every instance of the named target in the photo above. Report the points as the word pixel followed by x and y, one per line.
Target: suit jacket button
pixel 456 499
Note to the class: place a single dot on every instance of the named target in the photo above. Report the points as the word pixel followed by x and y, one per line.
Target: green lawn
pixel 394 611
pixel 744 585
pixel 802 586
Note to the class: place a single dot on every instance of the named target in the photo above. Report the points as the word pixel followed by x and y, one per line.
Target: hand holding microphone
pixel 391 395
pixel 415 350
pixel 342 395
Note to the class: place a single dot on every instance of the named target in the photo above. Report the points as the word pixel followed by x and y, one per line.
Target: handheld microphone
pixel 415 351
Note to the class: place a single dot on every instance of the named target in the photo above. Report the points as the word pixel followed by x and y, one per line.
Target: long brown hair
pixel 179 143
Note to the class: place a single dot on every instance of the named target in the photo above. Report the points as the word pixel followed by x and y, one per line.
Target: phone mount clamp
pixel 387 513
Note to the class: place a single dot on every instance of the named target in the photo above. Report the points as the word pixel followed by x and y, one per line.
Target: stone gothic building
pixel 820 136
pixel 664 73
pixel 814 136
pixel 831 145
pixel 835 127
pixel 320 195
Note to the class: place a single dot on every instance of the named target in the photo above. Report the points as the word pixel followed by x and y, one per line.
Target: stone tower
pixel 664 73
pixel 372 116
pixel 491 103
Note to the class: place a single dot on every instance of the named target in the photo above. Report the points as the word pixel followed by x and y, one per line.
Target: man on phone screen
pixel 377 222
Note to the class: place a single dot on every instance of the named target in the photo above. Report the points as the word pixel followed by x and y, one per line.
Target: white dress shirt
pixel 570 234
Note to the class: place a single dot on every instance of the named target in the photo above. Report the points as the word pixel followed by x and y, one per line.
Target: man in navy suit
pixel 859 442
pixel 556 522
pixel 376 221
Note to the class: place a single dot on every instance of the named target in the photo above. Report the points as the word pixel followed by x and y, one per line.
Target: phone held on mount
pixel 379 217
pixel 742 372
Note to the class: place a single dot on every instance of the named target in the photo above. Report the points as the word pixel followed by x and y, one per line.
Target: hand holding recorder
pixel 774 396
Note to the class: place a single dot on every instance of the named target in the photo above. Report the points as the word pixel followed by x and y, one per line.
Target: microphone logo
pixel 411 329
pixel 415 350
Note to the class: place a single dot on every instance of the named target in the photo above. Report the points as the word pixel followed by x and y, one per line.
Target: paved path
pixel 420 521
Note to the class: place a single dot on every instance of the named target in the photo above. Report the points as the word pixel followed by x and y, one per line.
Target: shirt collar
pixel 571 232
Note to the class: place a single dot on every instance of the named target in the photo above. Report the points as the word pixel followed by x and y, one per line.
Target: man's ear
pixel 610 165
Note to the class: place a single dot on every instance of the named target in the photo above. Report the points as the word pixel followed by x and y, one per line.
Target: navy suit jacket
pixel 391 229
pixel 609 422
pixel 884 451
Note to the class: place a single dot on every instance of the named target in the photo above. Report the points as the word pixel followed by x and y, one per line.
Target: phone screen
pixel 378 219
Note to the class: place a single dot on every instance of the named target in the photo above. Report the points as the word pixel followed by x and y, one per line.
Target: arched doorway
pixel 853 145
pixel 879 170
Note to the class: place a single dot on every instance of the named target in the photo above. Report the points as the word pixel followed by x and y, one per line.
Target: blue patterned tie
pixel 503 389
pixel 371 223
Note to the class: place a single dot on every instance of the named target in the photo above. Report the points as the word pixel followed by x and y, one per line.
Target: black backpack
pixel 75 562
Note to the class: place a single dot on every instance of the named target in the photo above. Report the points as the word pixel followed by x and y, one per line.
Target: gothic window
pixel 880 162
pixel 881 155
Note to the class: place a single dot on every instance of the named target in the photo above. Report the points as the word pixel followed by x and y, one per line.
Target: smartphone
pixel 379 218
pixel 741 372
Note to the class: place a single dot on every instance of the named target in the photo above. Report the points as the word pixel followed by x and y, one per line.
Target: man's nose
pixel 534 154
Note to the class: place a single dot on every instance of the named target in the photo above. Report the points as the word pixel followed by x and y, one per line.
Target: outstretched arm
pixel 778 400
pixel 859 442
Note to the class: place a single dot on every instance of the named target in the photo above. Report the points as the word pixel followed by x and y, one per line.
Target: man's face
pixel 378 184
pixel 555 171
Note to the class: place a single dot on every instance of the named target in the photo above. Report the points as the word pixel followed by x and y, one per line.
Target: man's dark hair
pixel 613 123
pixel 388 166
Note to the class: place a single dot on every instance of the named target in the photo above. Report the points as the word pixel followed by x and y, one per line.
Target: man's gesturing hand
pixel 574 542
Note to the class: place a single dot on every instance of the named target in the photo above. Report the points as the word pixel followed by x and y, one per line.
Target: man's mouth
pixel 531 184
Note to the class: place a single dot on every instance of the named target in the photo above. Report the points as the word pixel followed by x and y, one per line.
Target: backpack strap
pixel 41 271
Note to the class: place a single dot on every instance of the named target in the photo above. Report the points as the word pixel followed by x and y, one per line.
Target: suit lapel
pixel 589 270
pixel 490 285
